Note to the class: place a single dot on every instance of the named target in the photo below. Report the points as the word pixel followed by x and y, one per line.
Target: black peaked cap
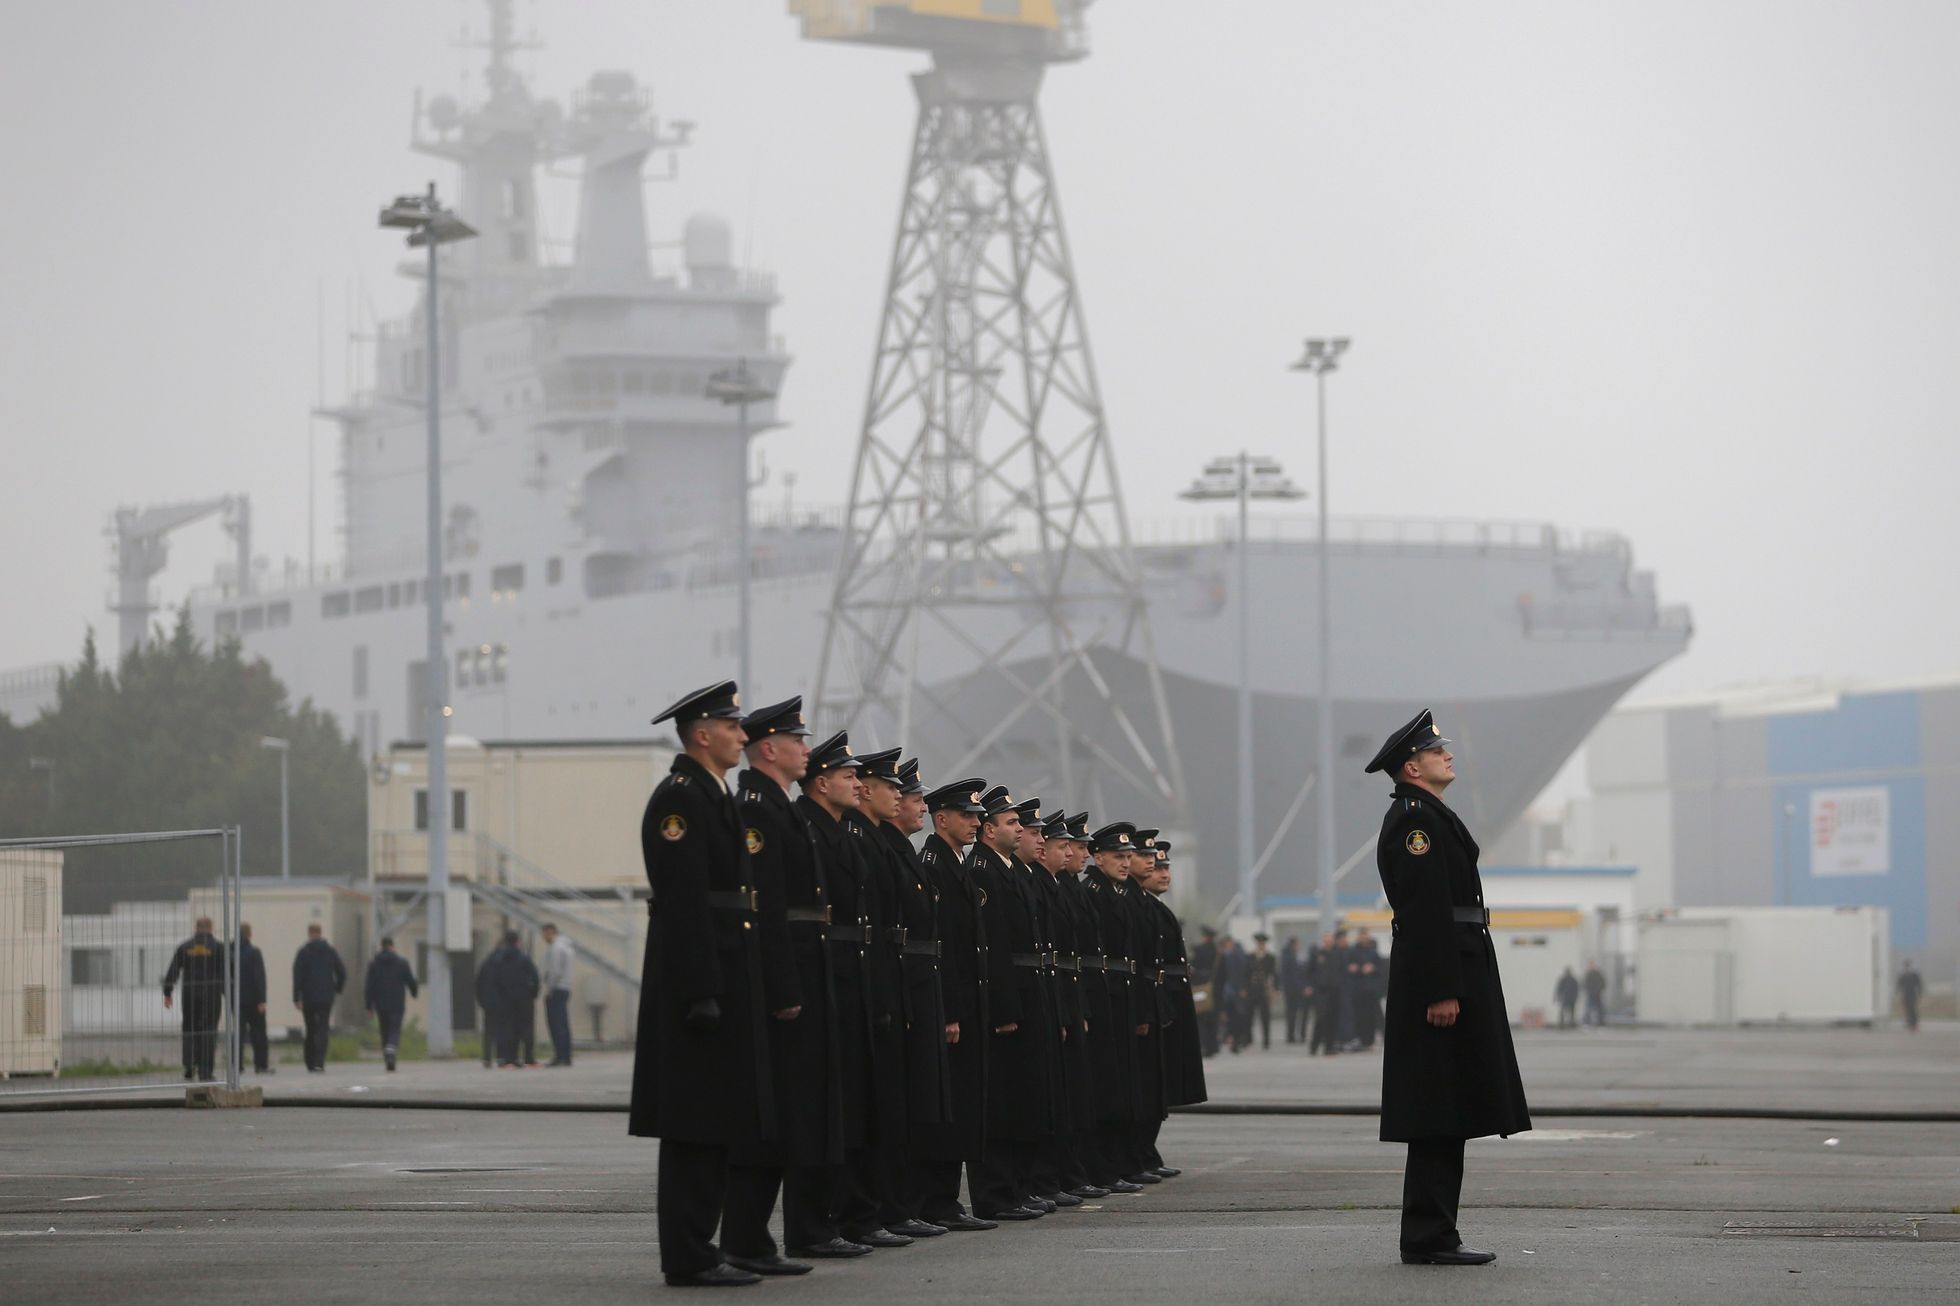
pixel 1420 734
pixel 784 718
pixel 833 754
pixel 719 700
pixel 959 796
pixel 1116 837
pixel 882 765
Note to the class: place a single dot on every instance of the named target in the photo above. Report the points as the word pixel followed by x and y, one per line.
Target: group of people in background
pixel 1330 995
pixel 1566 993
pixel 508 985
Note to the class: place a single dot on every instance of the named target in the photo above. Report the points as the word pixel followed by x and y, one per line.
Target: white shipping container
pixel 1762 965
pixel 30 962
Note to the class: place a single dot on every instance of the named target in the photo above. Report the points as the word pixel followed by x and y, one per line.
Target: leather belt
pixel 1121 965
pixel 853 933
pixel 1034 960
pixel 896 934
pixel 1175 972
pixel 809 915
pixel 741 900
pixel 1478 916
pixel 922 947
pixel 1068 963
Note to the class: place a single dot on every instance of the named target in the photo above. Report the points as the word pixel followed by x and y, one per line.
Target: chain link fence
pixel 118 969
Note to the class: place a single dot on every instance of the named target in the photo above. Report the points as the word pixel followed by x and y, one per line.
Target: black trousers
pixel 319 1019
pixel 1325 1019
pixel 853 1197
pixel 391 1029
pixel 747 1199
pixel 200 1037
pixel 1004 1176
pixel 1152 1158
pixel 1296 1018
pixel 935 1190
pixel 806 1205
pixel 1208 1032
pixel 254 1032
pixel 1431 1184
pixel 688 1198
pixel 1261 1010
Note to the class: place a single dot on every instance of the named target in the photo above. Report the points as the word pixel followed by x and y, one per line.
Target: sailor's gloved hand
pixel 704 1016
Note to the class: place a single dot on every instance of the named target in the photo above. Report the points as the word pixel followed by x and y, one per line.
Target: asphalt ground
pixel 347 1205
pixel 1827 1071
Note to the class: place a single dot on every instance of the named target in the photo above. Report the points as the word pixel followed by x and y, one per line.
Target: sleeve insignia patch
pixel 1417 842
pixel 673 828
pixel 753 837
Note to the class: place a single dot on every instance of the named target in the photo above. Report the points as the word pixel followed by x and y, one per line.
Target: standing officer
pixel 1184 1061
pixel 1084 944
pixel 1020 1102
pixel 793 909
pixel 318 977
pixel 1263 969
pixel 1112 1038
pixel 1329 984
pixel 390 984
pixel 252 998
pixel 938 1151
pixel 892 815
pixel 701 1080
pixel 1448 1070
pixel 866 1007
pixel 200 960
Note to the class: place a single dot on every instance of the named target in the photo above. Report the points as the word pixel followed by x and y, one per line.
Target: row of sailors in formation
pixel 833 1014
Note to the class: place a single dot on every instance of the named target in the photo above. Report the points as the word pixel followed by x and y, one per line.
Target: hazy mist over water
pixel 1681 271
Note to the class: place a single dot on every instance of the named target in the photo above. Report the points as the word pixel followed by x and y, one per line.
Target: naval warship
pixel 591 476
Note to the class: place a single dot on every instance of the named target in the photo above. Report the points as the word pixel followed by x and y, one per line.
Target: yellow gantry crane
pixel 1050 30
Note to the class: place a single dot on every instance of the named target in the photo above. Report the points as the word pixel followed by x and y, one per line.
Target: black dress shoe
pixel 715 1276
pixel 1449 1256
pixel 1088 1192
pixel 836 1249
pixel 1124 1186
pixel 767 1265
pixel 1167 1172
pixel 965 1224
pixel 1145 1177
pixel 880 1238
pixel 1042 1204
pixel 916 1229
pixel 1061 1199
pixel 1014 1213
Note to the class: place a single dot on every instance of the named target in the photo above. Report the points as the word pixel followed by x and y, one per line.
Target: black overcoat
pixel 888 997
pixel 1184 1056
pixel 789 879
pixel 1147 938
pixel 1020 1088
pixel 1113 1019
pixel 928 1095
pixel 851 934
pixel 964 990
pixel 1455 1082
pixel 696 1085
pixel 1073 924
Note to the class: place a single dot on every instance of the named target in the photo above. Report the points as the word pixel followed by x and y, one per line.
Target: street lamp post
pixel 1322 357
pixel 429 225
pixel 1244 477
pixel 284 748
pixel 738 386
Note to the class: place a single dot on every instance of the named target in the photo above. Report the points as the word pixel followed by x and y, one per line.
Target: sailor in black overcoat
pixel 1113 1037
pixel 938 1151
pixel 1025 1035
pixel 1449 1072
pixel 916 1040
pixel 793 910
pixel 701 1079
pixel 1184 1061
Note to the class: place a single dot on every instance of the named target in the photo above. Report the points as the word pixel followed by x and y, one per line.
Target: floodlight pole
pixel 1322 357
pixel 430 226
pixel 284 748
pixel 1248 903
pixel 737 386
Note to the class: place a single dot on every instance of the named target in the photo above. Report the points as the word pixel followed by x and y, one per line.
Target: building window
pixel 360 671
pixel 368 600
pixel 252 618
pixel 91 967
pixel 506 580
pixel 336 605
pixel 279 614
pixel 463 679
pixel 458 809
pixel 500 663
pixel 554 570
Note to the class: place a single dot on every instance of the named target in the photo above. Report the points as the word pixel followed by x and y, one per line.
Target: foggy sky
pixel 1679 270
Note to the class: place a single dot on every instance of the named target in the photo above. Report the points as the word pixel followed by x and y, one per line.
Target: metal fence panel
pixel 90 926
